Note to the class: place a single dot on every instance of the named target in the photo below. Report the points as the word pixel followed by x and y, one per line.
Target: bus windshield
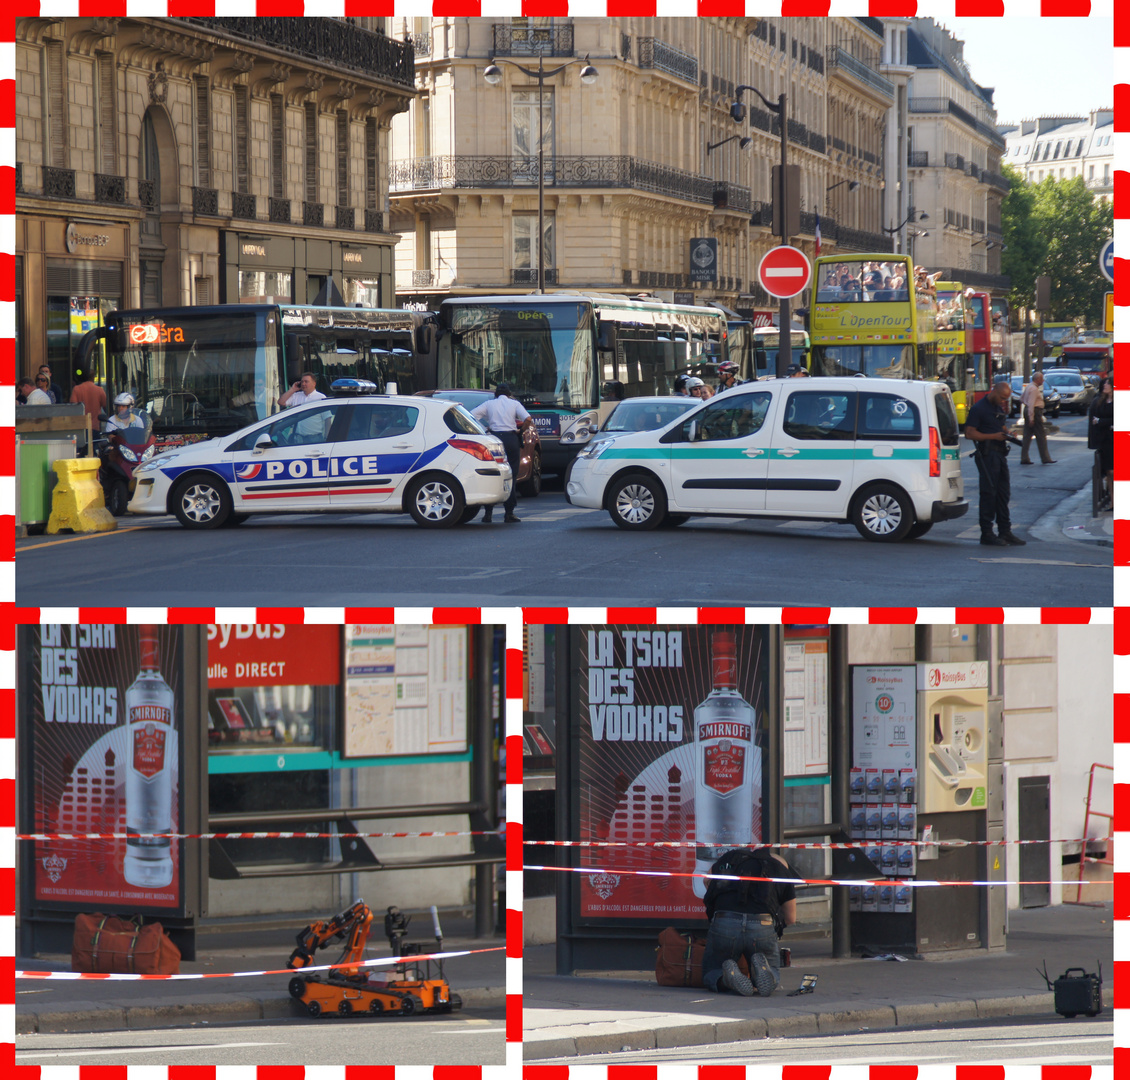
pixel 545 351
pixel 209 370
pixel 768 346
pixel 874 361
pixel 849 281
pixel 1058 335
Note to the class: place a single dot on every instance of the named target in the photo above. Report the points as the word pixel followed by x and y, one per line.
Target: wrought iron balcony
pixel 660 56
pixel 147 194
pixel 947 105
pixel 994 180
pixel 817 142
pixel 760 119
pixel 58 183
pixel 422 278
pixel 243 206
pixel 344 217
pixel 838 58
pixel 313 213
pixel 19 177
pixel 729 196
pixel 955 161
pixel 109 189
pixel 373 221
pixel 205 201
pixel 861 240
pixel 332 42
pixel 459 171
pixel 421 44
pixel 527 275
pixel 532 40
pixel 918 159
pixel 278 210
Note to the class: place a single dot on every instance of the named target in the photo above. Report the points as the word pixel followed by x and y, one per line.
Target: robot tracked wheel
pixel 351 989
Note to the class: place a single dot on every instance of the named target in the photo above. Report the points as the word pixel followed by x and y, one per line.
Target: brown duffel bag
pixel 678 958
pixel 104 943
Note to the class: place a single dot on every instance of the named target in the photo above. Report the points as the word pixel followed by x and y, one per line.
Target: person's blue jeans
pixel 731 935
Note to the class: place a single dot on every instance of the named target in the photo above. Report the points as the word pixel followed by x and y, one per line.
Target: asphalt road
pixel 1054 1041
pixel 563 556
pixel 448 1040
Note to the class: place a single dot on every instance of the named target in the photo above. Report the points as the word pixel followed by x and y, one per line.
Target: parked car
pixel 391 454
pixel 1075 393
pixel 881 454
pixel 529 468
pixel 643 414
pixel 1051 398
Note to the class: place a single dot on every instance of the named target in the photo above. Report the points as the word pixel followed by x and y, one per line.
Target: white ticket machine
pixel 952 734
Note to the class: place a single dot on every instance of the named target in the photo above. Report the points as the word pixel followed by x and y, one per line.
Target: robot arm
pixel 351 925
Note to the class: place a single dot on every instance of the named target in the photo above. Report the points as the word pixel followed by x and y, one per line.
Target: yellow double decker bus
pixel 955 343
pixel 867 318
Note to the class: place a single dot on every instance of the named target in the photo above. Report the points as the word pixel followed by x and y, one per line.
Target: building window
pixel 242 139
pixel 278 147
pixel 371 163
pixel 342 157
pixel 55 100
pixel 311 173
pixel 524 111
pixel 107 115
pixel 203 131
pixel 1091 173
pixel 525 241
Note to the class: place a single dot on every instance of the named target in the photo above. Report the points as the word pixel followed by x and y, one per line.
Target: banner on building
pixel 273 654
pixel 669 744
pixel 704 259
pixel 106 719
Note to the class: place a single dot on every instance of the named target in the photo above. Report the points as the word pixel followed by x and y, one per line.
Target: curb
pixel 819 1023
pixel 93 1017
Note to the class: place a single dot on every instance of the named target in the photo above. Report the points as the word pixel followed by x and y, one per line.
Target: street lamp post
pixel 737 112
pixel 493 75
pixel 914 215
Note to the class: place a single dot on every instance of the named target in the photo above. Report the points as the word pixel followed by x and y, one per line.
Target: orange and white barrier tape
pixel 838 846
pixel 500 832
pixel 380 962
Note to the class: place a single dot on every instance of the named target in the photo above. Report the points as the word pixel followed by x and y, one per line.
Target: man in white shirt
pixel 506 418
pixel 1032 405
pixel 33 395
pixel 306 389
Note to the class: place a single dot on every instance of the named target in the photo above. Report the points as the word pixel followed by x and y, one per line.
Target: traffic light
pixel 1043 292
pixel 791 201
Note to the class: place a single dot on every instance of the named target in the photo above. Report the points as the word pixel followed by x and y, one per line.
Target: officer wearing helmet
pixel 124 416
pixel 727 375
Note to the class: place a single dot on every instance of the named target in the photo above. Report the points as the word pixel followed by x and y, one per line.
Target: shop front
pixel 69 273
pixel 260 269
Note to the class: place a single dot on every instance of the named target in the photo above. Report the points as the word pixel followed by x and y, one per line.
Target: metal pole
pixel 784 336
pixel 483 787
pixel 840 763
pixel 541 175
pixel 1040 349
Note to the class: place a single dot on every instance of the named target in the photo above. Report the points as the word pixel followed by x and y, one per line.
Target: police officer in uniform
pixel 506 418
pixel 986 426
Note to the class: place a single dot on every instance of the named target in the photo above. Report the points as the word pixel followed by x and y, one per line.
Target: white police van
pixel 880 453
pixel 392 454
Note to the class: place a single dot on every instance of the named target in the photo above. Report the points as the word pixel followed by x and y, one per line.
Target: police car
pixel 389 453
pixel 879 453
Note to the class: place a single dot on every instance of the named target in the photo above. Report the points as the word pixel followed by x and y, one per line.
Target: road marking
pixel 1045 562
pixel 141 1049
pixel 83 536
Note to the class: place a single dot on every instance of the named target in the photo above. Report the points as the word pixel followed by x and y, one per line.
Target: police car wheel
pixel 637 501
pixel 883 512
pixel 436 502
pixel 201 502
pixel 919 528
pixel 469 514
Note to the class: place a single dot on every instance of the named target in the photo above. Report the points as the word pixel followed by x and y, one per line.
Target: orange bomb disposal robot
pixel 402 990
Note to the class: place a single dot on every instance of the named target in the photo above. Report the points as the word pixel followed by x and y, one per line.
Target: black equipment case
pixel 1077 992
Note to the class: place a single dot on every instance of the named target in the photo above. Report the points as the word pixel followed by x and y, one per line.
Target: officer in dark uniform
pixel 986 426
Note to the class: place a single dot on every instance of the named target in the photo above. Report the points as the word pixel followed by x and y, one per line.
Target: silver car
pixel 1075 393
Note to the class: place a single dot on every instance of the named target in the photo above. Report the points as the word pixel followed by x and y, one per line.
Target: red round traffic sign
pixel 784 271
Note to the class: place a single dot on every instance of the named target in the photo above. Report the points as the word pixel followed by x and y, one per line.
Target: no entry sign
pixel 784 271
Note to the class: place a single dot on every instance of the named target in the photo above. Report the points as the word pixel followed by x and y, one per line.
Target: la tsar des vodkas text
pixel 614 714
pixel 64 701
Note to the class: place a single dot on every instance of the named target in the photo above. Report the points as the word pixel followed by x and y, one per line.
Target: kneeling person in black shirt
pixel 747 919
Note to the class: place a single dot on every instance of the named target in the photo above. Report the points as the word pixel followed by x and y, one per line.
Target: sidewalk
pixel 82 1005
pixel 592 1013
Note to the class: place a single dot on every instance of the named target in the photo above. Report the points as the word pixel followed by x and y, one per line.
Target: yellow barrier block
pixel 77 502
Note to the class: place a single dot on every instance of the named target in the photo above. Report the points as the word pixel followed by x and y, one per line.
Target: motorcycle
pixel 124 450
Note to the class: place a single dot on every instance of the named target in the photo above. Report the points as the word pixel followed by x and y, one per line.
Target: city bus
pixel 1000 336
pixel 981 375
pixel 1092 359
pixel 568 357
pixel 1056 335
pixel 201 372
pixel 767 343
pixel 867 318
pixel 955 343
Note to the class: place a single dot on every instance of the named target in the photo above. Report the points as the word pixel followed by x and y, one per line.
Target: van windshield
pixel 947 419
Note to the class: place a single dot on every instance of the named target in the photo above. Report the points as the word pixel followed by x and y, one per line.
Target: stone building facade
pixel 1064 147
pixel 195 161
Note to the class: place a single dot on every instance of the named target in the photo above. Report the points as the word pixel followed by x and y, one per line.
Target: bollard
pixel 77 502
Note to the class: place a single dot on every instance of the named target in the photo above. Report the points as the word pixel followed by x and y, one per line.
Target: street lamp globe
pixel 589 74
pixel 493 74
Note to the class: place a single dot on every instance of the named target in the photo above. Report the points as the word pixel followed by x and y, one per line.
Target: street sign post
pixel 784 271
pixel 1106 260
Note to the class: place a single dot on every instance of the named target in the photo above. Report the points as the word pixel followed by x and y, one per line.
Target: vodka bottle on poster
pixel 151 747
pixel 725 759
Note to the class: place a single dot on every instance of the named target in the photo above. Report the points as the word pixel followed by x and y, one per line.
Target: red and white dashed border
pixel 514 618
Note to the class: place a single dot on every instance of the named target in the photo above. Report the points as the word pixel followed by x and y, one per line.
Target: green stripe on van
pixel 733 453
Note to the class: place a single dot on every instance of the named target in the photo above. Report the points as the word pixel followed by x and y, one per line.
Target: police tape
pixel 914 883
pixel 380 962
pixel 500 831
pixel 838 846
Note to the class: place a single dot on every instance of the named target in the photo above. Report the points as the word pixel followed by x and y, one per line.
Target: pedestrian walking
pixel 1100 437
pixel 1032 406
pixel 987 427
pixel 505 418
pixel 747 919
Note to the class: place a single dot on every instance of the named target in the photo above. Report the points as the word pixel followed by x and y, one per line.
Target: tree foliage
pixel 1056 227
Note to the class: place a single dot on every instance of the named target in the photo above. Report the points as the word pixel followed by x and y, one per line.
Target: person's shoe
pixel 1050 461
pixel 763 975
pixel 994 541
pixel 487 516
pixel 511 519
pixel 733 979
pixel 1029 462
pixel 1014 540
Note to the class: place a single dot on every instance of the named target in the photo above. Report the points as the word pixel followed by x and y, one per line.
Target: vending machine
pixel 953 702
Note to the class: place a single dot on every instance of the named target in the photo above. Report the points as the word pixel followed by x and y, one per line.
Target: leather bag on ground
pixel 105 944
